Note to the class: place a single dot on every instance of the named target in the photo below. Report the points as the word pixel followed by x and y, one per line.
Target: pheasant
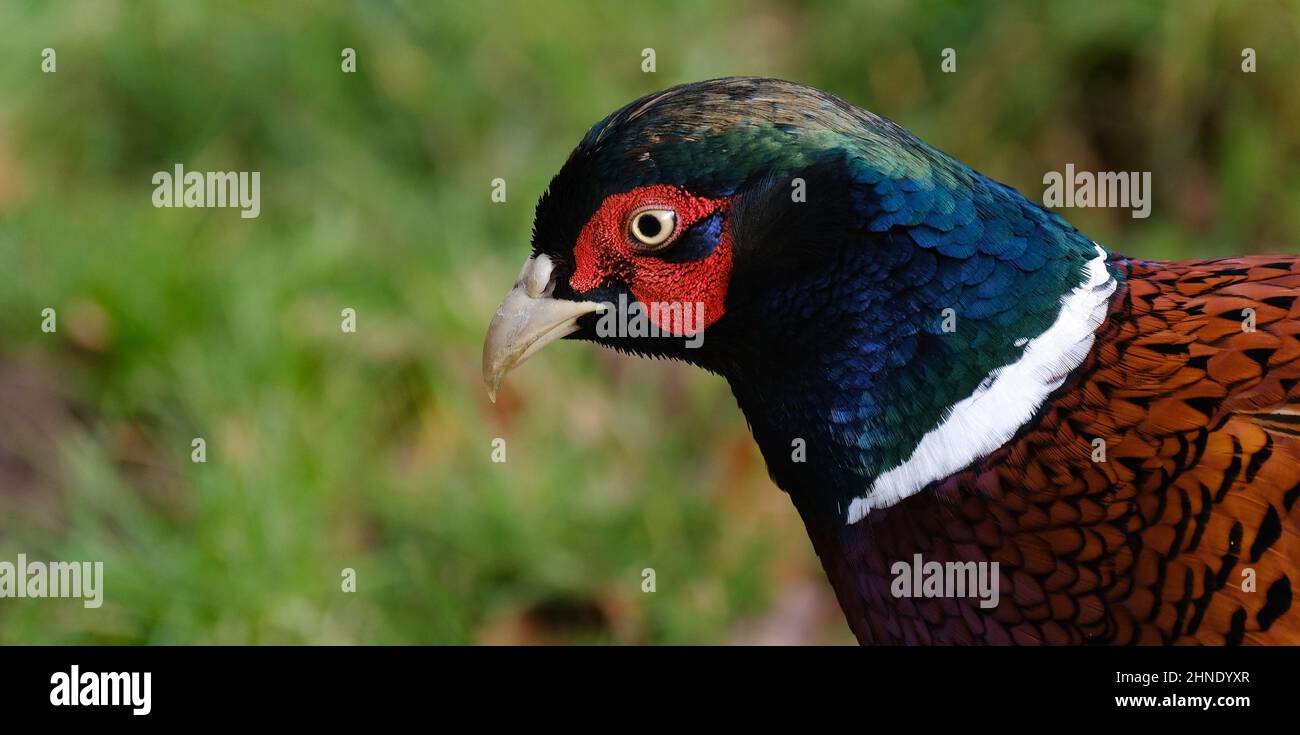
pixel 940 372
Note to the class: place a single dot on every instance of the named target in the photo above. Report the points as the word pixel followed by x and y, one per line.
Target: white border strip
pixel 1004 401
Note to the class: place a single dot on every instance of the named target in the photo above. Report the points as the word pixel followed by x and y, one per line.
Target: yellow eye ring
pixel 650 228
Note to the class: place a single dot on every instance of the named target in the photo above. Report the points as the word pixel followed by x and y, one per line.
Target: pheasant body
pixel 1196 495
pixel 936 368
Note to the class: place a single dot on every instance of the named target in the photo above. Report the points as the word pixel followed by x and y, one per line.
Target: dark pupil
pixel 649 225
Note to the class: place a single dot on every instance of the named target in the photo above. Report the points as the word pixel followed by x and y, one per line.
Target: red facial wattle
pixel 603 251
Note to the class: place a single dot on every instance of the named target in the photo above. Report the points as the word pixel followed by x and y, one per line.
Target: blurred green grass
pixel 371 450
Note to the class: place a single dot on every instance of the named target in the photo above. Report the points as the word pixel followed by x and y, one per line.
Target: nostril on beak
pixel 528 319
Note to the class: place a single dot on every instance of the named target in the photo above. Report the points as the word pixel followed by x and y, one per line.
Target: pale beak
pixel 528 320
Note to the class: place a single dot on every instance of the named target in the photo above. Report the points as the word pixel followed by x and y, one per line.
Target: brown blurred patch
pixel 557 619
pixel 1198 202
pixel 34 414
pixel 804 612
pixel 12 176
pixel 89 327
pixel 148 467
pixel 38 417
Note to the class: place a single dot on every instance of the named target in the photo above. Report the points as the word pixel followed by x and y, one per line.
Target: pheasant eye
pixel 652 228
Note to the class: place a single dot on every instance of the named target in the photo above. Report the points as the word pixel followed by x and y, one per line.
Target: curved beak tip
pixel 528 319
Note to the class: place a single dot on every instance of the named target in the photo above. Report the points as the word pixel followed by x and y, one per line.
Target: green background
pixel 371 450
